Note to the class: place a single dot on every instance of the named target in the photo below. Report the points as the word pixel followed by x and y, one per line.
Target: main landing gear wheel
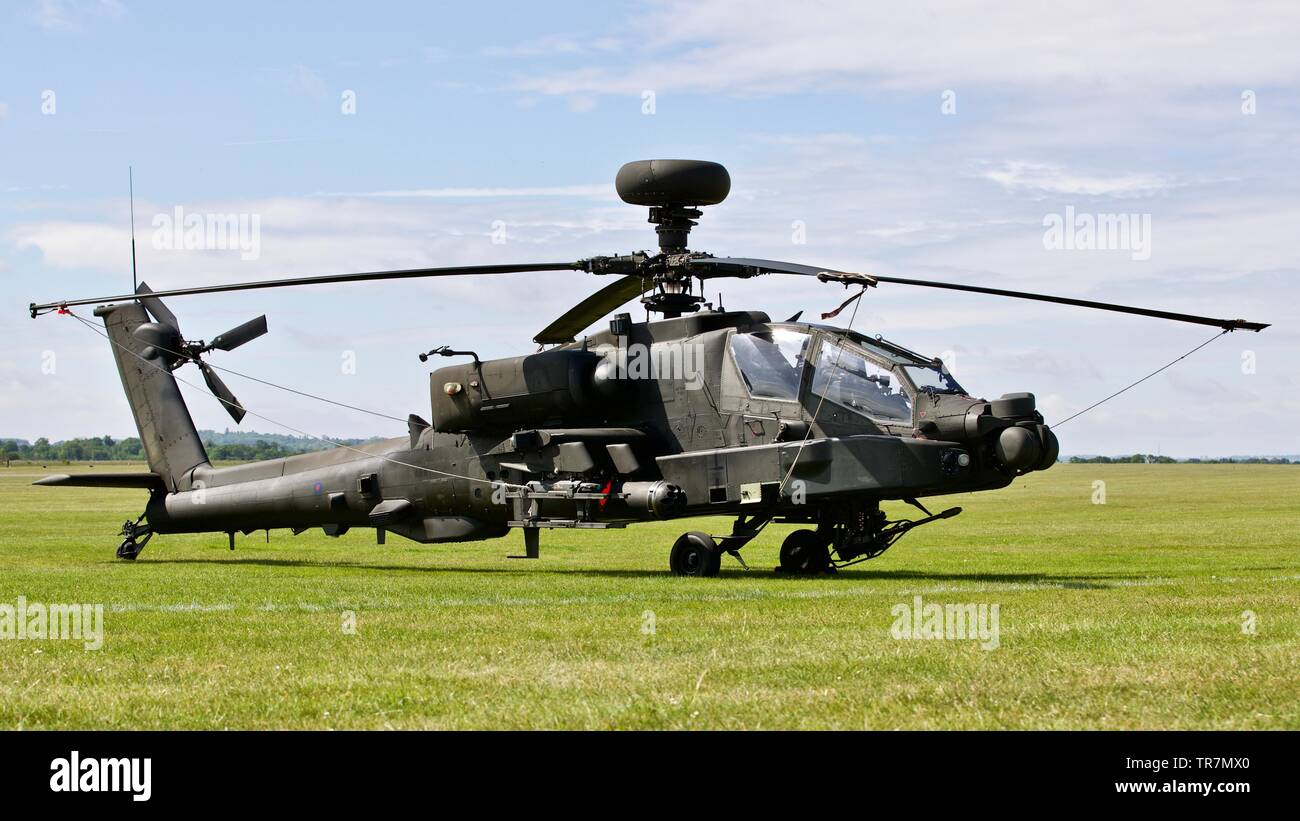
pixel 695 554
pixel 806 552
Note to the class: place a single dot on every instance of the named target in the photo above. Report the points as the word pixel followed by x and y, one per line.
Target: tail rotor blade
pixel 156 308
pixel 222 392
pixel 235 337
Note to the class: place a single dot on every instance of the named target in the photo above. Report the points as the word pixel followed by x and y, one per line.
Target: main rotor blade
pixel 219 389
pixel 156 308
pixel 748 267
pixel 328 279
pixel 739 266
pixel 1225 324
pixel 593 308
pixel 235 337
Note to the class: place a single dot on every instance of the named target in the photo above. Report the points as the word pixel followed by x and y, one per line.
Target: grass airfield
pixel 1127 614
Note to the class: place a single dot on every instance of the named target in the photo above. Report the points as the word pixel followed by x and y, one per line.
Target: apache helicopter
pixel 736 415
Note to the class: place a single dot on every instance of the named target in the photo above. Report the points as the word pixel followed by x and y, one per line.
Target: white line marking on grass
pixel 184 607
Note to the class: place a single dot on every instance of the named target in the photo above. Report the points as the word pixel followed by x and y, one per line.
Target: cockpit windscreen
pixel 933 379
pixel 771 364
pixel 852 381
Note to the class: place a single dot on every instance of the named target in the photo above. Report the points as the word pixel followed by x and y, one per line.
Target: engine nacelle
pixel 552 388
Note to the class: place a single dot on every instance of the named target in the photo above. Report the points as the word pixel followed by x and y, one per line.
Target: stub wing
pixel 149 481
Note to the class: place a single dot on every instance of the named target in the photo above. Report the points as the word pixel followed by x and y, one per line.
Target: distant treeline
pixel 108 449
pixel 1152 459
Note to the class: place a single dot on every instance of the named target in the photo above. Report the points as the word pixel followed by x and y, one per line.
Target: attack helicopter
pixel 701 412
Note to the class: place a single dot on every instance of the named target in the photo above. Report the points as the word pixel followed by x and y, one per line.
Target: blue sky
pixel 830 115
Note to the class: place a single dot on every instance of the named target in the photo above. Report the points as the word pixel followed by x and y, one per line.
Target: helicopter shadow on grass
pixel 406 568
pixel 758 574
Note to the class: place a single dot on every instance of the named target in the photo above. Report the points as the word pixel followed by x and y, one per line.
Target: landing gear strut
pixel 860 532
pixel 700 554
pixel 847 535
pixel 137 536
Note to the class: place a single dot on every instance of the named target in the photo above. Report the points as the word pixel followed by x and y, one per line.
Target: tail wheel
pixel 137 536
pixel 695 554
pixel 805 551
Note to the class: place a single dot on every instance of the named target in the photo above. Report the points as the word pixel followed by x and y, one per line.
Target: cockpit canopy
pixel 874 379
pixel 771 364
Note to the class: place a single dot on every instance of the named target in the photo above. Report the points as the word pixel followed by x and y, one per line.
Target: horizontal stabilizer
pixel 148 481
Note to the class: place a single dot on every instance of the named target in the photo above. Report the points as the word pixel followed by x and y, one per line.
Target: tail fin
pixel 166 428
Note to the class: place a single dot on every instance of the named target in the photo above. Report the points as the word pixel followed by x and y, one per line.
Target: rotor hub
pixel 673 224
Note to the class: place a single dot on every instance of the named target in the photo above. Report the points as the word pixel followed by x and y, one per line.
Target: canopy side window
pixel 771 365
pixel 850 380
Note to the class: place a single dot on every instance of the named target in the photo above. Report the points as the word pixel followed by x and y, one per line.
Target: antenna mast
pixel 130 176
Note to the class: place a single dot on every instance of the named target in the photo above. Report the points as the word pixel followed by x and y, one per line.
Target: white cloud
pixel 69 15
pixel 297 79
pixel 581 103
pixel 51 14
pixel 553 45
pixel 735 46
pixel 324 234
pixel 275 141
pixel 1019 175
pixel 593 191
pixel 69 244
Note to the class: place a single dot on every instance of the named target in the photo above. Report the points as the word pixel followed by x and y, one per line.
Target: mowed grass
pixel 1122 615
